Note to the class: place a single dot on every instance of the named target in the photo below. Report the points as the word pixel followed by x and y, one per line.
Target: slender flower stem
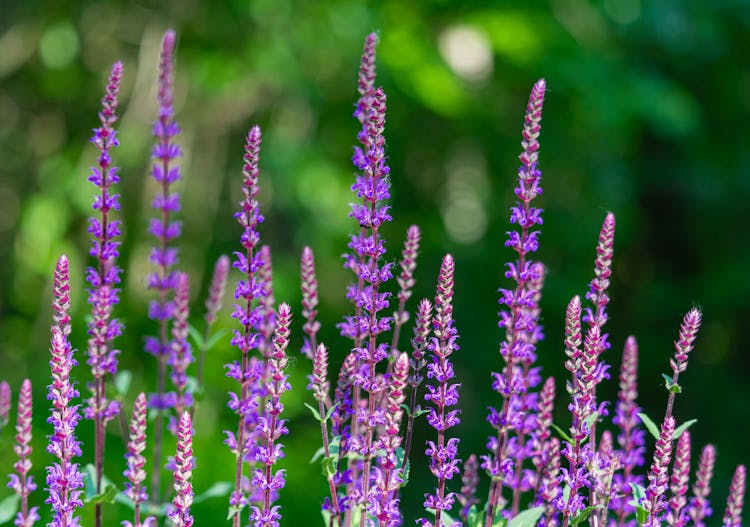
pixel 406 282
pixel 683 346
pixel 163 255
pixel 320 388
pixel 22 482
pixel 735 501
pixel 309 286
pixel 136 473
pixel 183 470
pixel 699 508
pixel 5 403
pixel 181 355
pixel 679 482
pixel 658 474
pixel 64 480
pixel 470 481
pixel 213 306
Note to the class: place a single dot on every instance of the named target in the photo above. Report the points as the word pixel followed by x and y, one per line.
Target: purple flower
pixel 735 501
pixel 271 427
pixel 136 473
pixel 64 480
pixel 5 402
pixel 309 285
pixel 181 355
pixel 405 279
pixel 183 469
pixel 519 318
pixel 699 507
pixel 105 275
pixel 658 474
pixel 470 479
pixel 682 347
pixel 679 482
pixel 443 395
pixel 217 288
pixel 631 437
pixel 550 492
pixel 21 482
pixel 248 371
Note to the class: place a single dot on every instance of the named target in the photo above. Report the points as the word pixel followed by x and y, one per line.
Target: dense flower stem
pixel 136 473
pixel 517 315
pixel 5 403
pixel 469 480
pixel 406 282
pixel 21 482
pixel 104 277
pixel 683 346
pixel 272 427
pixel 417 362
pixel 163 255
pixel 248 312
pixel 444 396
pixel 658 474
pixel 309 287
pixel 699 508
pixel 181 355
pixel 183 469
pixel 735 501
pixel 64 480
pixel 676 516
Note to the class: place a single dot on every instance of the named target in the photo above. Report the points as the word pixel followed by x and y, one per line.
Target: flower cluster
pixel 22 482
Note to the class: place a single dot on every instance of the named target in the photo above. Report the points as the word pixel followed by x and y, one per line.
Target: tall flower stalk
pixel 405 279
pixel 272 427
pixel 248 370
pixel 736 499
pixel 183 470
pixel 22 482
pixel 658 474
pixel 682 346
pixel 64 480
pixel 135 489
pixel 699 507
pixel 163 279
pixel 104 277
pixel 443 395
pixel 213 305
pixel 519 316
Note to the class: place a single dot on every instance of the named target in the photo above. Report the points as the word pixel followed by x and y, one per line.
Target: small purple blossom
pixel 64 480
pixel 21 481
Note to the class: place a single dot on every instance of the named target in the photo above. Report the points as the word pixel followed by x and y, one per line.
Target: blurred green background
pixel 646 115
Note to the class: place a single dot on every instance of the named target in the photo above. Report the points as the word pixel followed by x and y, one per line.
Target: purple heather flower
pixel 309 284
pixel 217 288
pixel 699 507
pixel 384 505
pixel 136 473
pixel 676 514
pixel 248 371
pixel 271 427
pixel 183 469
pixel 64 480
pixel 631 437
pixel 658 475
pixel 470 479
pixel 443 395
pixel 5 402
pixel 519 317
pixel 105 275
pixel 21 482
pixel 735 501
pixel 405 279
pixel 181 355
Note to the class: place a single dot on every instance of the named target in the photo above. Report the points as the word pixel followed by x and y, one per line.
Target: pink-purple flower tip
pixel 183 467
pixel 659 473
pixel 735 501
pixel 217 288
pixel 136 462
pixel 5 402
pixel 686 340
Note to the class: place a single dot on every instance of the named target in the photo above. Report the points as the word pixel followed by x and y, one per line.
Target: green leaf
pixel 9 508
pixel 217 490
pixel 562 433
pixel 326 517
pixel 650 425
pixel 317 455
pixel 122 382
pixel 641 514
pixel 667 380
pixel 314 411
pixel 196 336
pixel 527 518
pixel 684 426
pixel 330 411
pixel 590 419
pixel 106 496
pixel 329 465
pixel 639 494
pixel 214 339
pixel 234 510
pixel 584 514
pixel 474 518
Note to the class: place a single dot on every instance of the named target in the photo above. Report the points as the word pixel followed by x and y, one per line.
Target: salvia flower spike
pixel 181 353
pixel 135 489
pixel 658 475
pixel 406 281
pixel 104 276
pixel 443 395
pixel 21 481
pixel 469 480
pixel 309 285
pixel 699 507
pixel 271 427
pixel 5 403
pixel 213 305
pixel 735 501
pixel 247 311
pixel 682 347
pixel 679 482
pixel 64 480
pixel 163 280
pixel 183 470
pixel 519 314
